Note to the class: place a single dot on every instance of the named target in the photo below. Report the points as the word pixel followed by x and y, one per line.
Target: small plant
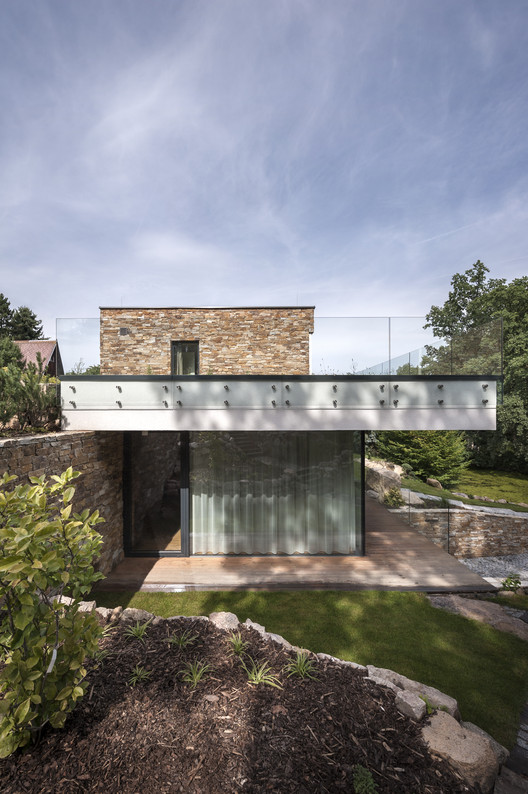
pixel 363 780
pixel 302 666
pixel 238 645
pixel 512 582
pixel 182 640
pixel 139 675
pixel 393 498
pixel 260 673
pixel 138 631
pixel 428 705
pixel 194 672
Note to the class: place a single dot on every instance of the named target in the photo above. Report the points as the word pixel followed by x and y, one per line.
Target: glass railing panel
pixel 78 339
pixel 348 345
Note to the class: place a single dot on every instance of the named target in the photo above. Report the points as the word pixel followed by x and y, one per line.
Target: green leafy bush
pixel 46 567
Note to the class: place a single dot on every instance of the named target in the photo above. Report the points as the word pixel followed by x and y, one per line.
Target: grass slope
pixel 485 670
pixel 478 482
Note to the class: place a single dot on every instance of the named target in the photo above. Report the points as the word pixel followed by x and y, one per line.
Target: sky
pixel 347 154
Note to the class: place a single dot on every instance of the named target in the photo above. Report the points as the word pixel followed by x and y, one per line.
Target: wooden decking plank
pixel 397 558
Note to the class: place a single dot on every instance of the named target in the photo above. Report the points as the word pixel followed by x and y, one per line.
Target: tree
pixel 5 316
pixel 10 353
pixel 474 300
pixel 21 323
pixel 429 453
pixel 25 324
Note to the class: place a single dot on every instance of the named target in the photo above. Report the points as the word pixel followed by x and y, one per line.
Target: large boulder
pixel 380 478
pixel 467 752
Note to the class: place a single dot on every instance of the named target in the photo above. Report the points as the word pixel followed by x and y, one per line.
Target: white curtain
pixel 275 493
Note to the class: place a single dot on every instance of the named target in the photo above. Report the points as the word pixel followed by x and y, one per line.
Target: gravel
pixel 495 569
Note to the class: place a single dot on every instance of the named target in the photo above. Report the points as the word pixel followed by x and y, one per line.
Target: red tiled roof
pixel 29 350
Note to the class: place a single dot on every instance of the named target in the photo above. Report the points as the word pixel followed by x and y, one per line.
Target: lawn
pixel 481 482
pixel 485 670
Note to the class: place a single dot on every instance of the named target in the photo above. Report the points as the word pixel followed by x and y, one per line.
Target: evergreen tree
pixel 5 316
pixel 10 353
pixel 25 324
pixel 441 454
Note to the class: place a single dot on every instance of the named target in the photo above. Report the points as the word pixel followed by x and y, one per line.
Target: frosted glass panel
pixel 275 493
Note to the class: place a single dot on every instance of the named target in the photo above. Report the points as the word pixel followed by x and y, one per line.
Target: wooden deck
pixel 397 558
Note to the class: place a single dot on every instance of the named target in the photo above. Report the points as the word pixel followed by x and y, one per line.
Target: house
pixel 231 446
pixel 49 354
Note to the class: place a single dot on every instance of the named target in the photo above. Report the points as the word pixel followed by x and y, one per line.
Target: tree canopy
pixel 474 300
pixel 21 323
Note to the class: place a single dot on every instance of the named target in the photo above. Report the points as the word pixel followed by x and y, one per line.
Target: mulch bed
pixel 225 735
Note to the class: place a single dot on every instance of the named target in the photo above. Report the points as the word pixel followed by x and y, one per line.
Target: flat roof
pixel 202 308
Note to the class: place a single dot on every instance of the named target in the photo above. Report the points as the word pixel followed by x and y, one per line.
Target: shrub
pixel 46 567
pixel 393 498
pixel 29 395
pixel 429 453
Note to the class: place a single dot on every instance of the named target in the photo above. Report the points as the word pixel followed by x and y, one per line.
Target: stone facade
pixel 98 456
pixel 232 341
pixel 469 533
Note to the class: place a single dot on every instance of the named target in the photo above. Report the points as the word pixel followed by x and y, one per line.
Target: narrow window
pixel 185 358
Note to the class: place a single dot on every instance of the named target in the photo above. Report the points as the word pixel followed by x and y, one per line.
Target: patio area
pixel 397 558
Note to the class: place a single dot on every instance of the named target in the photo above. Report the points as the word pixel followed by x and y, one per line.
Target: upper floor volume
pixel 248 368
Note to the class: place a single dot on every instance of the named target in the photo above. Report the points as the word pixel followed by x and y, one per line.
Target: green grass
pixel 515 601
pixel 495 484
pixel 485 670
pixel 481 482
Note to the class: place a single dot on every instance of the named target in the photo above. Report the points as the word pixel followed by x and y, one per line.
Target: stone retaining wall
pixel 468 533
pixel 98 456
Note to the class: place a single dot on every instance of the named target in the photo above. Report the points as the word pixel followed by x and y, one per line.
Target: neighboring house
pixel 231 446
pixel 49 353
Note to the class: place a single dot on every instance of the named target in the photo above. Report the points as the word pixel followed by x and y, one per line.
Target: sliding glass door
pixel 275 493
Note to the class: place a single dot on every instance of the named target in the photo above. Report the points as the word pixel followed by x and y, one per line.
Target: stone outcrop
pixel 483 611
pixel 380 478
pixel 469 753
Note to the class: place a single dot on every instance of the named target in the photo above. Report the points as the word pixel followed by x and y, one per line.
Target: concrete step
pixel 510 782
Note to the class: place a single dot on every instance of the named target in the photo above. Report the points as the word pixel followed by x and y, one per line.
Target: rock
pixel 411 498
pixel 379 478
pixel 501 753
pixel 87 606
pixel 133 615
pixel 433 696
pixel 483 611
pixel 341 662
pixel 279 640
pixel 373 495
pixel 468 753
pixel 410 704
pixel 434 483
pixel 116 613
pixel 251 625
pixel 105 613
pixel 459 493
pixel 227 621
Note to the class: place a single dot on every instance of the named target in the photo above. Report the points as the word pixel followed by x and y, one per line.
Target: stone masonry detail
pixel 232 341
pixel 99 458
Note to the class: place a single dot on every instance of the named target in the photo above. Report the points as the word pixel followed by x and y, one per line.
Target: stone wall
pixel 232 341
pixel 99 458
pixel 468 533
